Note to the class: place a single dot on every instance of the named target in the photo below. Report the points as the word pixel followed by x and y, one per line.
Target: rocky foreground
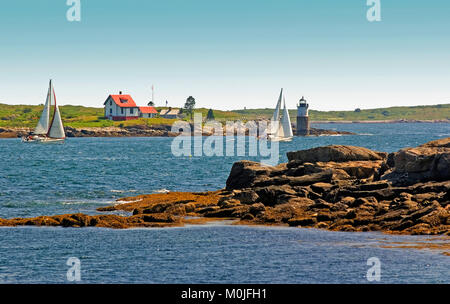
pixel 341 188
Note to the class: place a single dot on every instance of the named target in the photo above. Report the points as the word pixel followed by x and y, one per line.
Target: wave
pixel 90 202
pixel 161 191
pixel 122 191
pixel 335 135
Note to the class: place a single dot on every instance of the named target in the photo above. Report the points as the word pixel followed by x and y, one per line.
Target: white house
pixel 123 107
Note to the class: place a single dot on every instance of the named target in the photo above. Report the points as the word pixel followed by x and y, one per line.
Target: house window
pixel 110 111
pixel 110 102
pixel 121 110
pixel 131 110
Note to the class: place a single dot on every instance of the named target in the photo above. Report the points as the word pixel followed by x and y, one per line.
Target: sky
pixel 227 54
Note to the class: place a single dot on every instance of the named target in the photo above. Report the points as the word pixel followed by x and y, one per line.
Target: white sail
pixel 276 114
pixel 57 128
pixel 286 125
pixel 43 124
pixel 275 121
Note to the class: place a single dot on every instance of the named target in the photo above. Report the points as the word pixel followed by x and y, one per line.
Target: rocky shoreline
pixel 133 131
pixel 165 130
pixel 339 188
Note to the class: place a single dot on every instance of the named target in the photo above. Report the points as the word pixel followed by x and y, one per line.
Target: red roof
pixel 148 110
pixel 123 101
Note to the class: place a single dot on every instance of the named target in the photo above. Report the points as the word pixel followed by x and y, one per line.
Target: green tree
pixel 189 106
pixel 151 104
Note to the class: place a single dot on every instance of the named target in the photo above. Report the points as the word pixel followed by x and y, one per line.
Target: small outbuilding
pixel 170 113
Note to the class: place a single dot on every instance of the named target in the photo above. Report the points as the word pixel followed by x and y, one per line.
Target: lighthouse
pixel 302 118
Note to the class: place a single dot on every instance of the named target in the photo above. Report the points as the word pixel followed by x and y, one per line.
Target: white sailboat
pixel 280 124
pixel 46 130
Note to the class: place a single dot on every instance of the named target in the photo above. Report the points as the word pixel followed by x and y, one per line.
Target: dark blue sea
pixel 86 173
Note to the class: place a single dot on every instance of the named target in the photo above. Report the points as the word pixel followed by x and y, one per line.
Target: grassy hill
pixel 435 112
pixel 79 116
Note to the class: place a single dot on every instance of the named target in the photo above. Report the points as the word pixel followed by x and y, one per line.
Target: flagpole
pixel 153 95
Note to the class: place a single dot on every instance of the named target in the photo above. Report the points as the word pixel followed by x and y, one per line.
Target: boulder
pixel 335 153
pixel 427 162
pixel 439 143
pixel 159 218
pixel 302 221
pixel 269 196
pixel 244 173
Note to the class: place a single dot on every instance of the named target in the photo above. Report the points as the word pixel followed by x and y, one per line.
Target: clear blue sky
pixel 227 54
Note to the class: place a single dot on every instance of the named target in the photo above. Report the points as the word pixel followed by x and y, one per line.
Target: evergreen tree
pixel 189 106
pixel 210 115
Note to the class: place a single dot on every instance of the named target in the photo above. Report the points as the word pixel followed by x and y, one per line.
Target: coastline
pixel 133 131
pixel 379 121
pixel 165 130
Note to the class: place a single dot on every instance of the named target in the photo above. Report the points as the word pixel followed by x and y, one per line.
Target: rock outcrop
pixel 341 188
pixel 427 162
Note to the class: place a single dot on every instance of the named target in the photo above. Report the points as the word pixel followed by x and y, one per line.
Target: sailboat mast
pixel 54 110
pixel 42 125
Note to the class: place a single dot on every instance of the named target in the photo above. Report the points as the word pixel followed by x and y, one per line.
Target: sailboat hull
pixel 280 139
pixel 41 139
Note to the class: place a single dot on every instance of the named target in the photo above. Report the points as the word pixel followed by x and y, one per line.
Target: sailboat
pixel 46 130
pixel 280 124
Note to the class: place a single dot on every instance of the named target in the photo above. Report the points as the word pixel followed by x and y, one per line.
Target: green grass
pixel 79 116
pixel 434 112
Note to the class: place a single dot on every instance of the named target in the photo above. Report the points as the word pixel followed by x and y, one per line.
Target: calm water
pixel 85 173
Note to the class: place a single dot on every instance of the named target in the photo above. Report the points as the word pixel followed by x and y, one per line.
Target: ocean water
pixel 85 173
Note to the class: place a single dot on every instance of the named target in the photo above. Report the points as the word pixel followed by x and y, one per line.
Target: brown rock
pixel 255 209
pixel 244 173
pixel 246 196
pixel 302 221
pixel 322 187
pixel 335 153
pixel 159 218
pixel 348 200
pixel 325 216
pixel 269 196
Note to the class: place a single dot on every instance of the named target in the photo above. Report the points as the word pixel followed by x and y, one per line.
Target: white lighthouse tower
pixel 302 118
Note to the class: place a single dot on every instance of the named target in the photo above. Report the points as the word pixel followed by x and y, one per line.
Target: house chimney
pixel 120 92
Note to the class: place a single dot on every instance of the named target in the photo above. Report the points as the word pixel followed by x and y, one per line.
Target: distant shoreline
pixel 380 121
pixel 164 130
pixel 136 131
